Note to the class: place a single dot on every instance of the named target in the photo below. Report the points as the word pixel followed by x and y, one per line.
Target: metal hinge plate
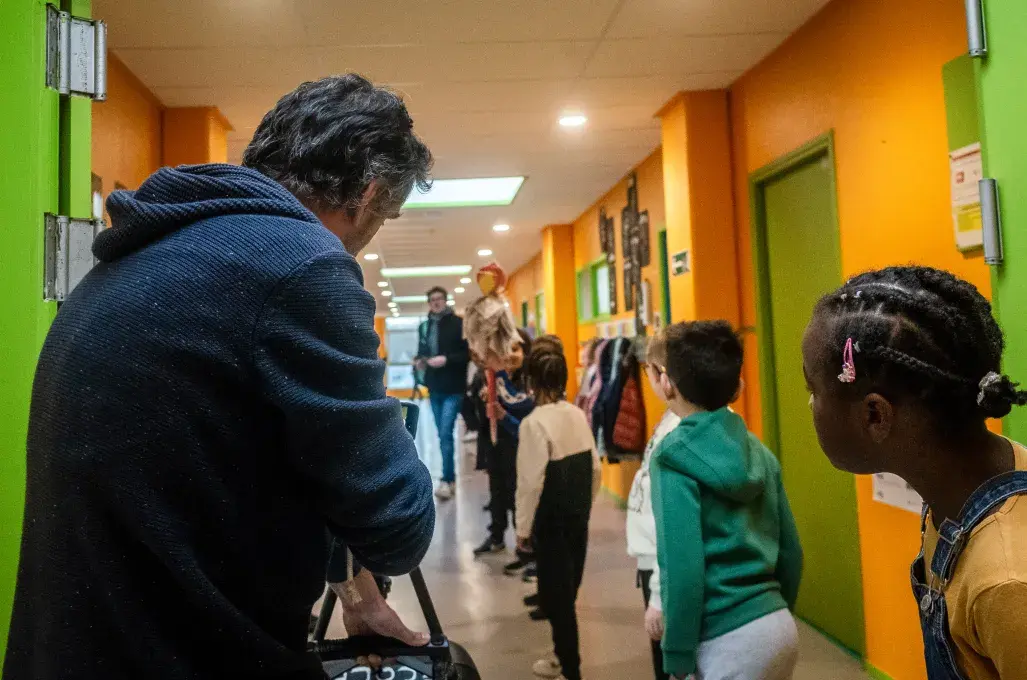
pixel 76 55
pixel 67 253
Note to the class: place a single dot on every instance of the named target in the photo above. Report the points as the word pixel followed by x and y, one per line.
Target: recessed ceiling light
pixel 408 298
pixel 465 280
pixel 383 284
pixel 392 305
pixel 573 120
pixel 387 293
pixel 459 193
pixel 371 257
pixel 420 272
pixel 459 290
pixel 451 303
pixel 500 228
pixel 484 252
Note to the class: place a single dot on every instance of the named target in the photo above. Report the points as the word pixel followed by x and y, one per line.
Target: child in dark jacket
pixel 727 545
pixel 501 457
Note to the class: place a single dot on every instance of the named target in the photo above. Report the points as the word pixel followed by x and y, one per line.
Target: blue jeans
pixel 934 620
pixel 446 407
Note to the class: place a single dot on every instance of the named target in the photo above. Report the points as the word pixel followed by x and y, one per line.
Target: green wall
pixel 33 159
pixel 1003 104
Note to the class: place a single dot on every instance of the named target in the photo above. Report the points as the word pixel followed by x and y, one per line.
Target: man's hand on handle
pixel 365 611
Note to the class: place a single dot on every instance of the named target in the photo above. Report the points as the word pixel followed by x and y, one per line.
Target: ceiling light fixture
pixel 371 257
pixel 408 298
pixel 383 284
pixel 484 252
pixel 460 193
pixel 458 290
pixel 421 272
pixel 501 228
pixel 465 280
pixel 573 120
pixel 387 293
pixel 451 303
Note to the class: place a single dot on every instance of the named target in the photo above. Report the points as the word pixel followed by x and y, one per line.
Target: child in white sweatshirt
pixel 558 475
pixel 641 523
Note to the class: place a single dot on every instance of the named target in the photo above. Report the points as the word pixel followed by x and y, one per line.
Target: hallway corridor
pixel 481 607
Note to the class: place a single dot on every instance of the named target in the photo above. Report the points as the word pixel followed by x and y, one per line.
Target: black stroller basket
pixel 440 659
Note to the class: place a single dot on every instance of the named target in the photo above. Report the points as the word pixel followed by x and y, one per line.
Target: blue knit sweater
pixel 208 402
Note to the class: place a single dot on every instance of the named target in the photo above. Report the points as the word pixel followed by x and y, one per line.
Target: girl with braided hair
pixel 904 369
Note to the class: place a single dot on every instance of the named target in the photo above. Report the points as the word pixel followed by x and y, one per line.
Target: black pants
pixel 643 580
pixel 561 545
pixel 502 487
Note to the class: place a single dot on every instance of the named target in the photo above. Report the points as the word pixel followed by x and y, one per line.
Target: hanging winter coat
pixel 591 385
pixel 618 415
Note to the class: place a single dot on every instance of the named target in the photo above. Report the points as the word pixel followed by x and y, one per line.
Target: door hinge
pixel 991 221
pixel 67 253
pixel 76 55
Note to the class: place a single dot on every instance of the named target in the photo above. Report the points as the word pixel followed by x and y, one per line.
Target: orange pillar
pixel 379 328
pixel 699 204
pixel 195 135
pixel 559 285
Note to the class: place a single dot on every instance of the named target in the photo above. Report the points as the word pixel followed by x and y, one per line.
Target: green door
pixel 801 261
pixel 44 156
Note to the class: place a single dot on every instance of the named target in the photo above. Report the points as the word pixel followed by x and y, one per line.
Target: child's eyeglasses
pixel 660 370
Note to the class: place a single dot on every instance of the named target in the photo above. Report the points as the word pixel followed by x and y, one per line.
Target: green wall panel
pixel 29 115
pixel 1004 126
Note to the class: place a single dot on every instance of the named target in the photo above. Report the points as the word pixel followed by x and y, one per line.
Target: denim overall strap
pixel 952 535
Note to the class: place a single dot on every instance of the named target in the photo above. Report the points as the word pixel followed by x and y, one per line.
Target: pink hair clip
pixel 848 374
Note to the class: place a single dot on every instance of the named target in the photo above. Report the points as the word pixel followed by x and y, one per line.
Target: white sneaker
pixel 547 668
pixel 445 491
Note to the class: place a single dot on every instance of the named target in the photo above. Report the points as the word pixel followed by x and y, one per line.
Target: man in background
pixel 443 354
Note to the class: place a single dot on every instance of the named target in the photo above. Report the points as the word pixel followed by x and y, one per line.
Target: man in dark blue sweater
pixel 210 401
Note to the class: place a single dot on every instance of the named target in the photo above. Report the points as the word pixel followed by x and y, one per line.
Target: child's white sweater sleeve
pixel 654 589
pixel 532 459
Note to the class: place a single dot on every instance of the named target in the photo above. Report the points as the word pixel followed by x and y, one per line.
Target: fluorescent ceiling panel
pixel 462 193
pixel 419 272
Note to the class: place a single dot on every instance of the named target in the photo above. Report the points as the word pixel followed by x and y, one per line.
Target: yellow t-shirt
pixel 987 596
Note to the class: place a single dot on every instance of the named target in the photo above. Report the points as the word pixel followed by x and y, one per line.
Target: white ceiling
pixel 485 82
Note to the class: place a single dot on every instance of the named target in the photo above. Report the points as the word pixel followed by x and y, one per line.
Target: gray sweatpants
pixel 766 649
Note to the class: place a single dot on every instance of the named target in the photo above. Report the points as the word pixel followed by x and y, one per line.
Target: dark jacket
pixel 451 378
pixel 208 404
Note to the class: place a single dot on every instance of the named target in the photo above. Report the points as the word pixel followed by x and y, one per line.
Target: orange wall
pixel 195 135
pixel 379 328
pixel 871 71
pixel 126 130
pixel 617 478
pixel 523 285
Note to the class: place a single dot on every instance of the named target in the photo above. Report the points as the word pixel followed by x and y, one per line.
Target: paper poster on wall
pixel 894 491
pixel 966 170
pixel 680 263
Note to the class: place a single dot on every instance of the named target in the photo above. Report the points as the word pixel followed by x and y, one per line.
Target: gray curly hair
pixel 327 140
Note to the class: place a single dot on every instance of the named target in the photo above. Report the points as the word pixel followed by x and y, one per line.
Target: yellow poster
pixel 966 171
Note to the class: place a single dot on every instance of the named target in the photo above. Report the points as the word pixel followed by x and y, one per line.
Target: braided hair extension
pixel 923 333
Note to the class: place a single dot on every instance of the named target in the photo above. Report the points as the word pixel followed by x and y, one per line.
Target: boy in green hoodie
pixel 727 546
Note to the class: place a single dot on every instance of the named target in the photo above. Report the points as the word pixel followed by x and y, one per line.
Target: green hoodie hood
pixel 718 451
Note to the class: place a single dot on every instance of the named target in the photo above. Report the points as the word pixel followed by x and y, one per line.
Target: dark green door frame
pixel 821 147
pixel 664 278
pixel 798 258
